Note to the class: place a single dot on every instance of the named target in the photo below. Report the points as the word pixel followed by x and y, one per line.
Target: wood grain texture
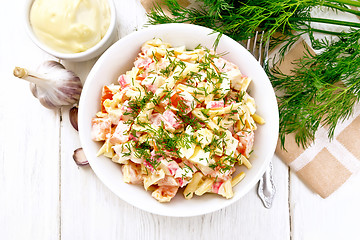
pixel 29 140
pixel 45 195
pixel 335 217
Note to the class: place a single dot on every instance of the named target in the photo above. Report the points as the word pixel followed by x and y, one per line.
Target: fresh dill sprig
pixel 138 103
pixel 321 90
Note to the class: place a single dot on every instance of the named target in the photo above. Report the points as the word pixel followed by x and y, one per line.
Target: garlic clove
pixel 79 157
pixel 73 117
pixel 52 84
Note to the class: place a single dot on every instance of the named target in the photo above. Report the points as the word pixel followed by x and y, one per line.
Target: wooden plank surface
pixel 29 140
pixel 335 217
pixel 45 195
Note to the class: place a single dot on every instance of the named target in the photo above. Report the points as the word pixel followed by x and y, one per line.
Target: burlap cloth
pixel 325 165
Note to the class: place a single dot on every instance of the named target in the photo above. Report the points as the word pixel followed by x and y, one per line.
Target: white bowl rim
pixel 102 177
pixel 89 53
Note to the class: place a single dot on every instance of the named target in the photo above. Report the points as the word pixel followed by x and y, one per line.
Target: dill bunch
pixel 323 88
pixel 239 19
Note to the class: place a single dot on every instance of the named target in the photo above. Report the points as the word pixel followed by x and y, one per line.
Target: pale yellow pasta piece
pixel 249 122
pixel 156 42
pixel 101 115
pixel 227 121
pixel 178 50
pixel 106 149
pixel 209 98
pixel 225 190
pixel 126 173
pixel 187 151
pixel 161 51
pixel 153 177
pixel 145 138
pixel 249 103
pixel 144 170
pixel 209 89
pixel 190 67
pixel 238 81
pixel 225 110
pixel 153 79
pixel 132 73
pixel 164 168
pixel 240 125
pixel 116 158
pixel 245 84
pixel 117 98
pixel 109 104
pixel 246 122
pixel 113 103
pixel 205 170
pixel 197 113
pixel 136 93
pixel 210 124
pixel 245 161
pixel 192 186
pixel 204 187
pixel 139 128
pixel 258 119
pixel 237 179
pixel 231 143
pixel 113 88
pixel 195 92
pixel 187 57
pixel 114 115
pixel 185 88
pixel 144 115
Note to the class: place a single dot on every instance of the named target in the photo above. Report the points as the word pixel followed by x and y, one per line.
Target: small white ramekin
pixel 92 52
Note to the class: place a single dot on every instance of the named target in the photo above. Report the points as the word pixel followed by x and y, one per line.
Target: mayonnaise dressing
pixel 70 26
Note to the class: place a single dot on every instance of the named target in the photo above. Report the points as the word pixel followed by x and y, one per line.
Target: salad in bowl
pixel 175 127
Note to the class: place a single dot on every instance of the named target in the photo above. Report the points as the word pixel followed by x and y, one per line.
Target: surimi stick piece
pixel 204 187
pixel 192 186
pixel 237 179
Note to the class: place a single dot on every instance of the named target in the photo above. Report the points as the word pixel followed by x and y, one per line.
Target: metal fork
pixel 266 188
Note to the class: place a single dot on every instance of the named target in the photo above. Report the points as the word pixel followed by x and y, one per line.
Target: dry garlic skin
pixel 70 26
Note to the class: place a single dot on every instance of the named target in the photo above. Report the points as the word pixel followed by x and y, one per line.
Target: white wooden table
pixel 45 195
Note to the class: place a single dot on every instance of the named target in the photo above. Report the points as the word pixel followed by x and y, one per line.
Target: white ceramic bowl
pixel 93 52
pixel 119 58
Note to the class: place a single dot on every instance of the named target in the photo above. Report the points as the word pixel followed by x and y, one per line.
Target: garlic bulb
pixel 52 84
